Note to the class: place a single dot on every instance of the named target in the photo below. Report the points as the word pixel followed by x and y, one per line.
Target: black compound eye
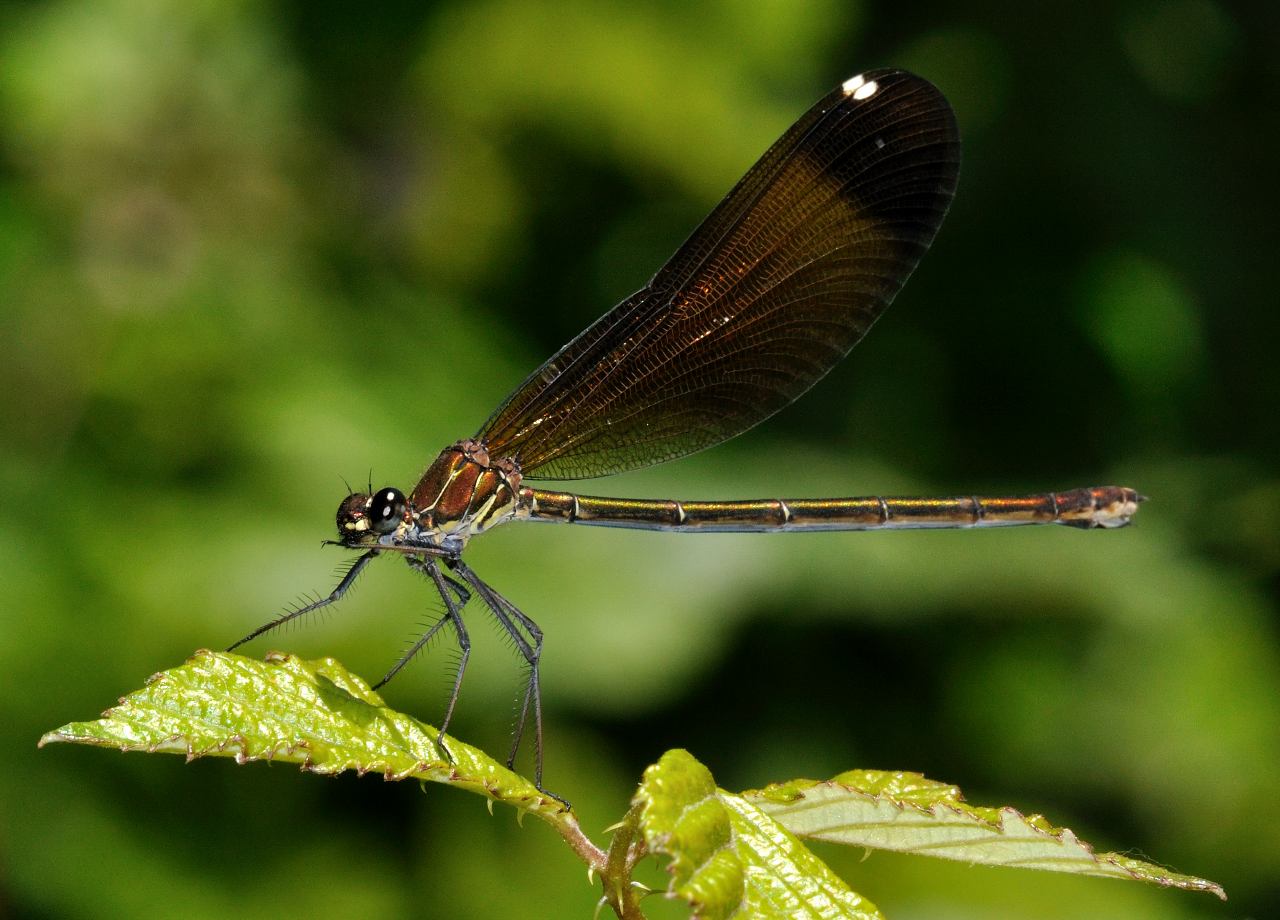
pixel 386 510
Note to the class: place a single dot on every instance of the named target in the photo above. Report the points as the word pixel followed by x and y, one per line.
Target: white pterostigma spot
pixel 860 87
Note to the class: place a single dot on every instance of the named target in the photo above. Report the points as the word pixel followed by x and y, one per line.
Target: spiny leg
pixel 508 615
pixel 443 584
pixel 452 614
pixel 532 689
pixel 502 609
pixel 343 586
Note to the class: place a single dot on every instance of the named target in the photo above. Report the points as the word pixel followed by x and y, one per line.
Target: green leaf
pixel 313 713
pixel 911 814
pixel 728 857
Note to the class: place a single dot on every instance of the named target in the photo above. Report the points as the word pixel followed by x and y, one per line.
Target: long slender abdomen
pixel 1105 506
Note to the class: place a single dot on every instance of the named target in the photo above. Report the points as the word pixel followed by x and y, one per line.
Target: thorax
pixel 464 493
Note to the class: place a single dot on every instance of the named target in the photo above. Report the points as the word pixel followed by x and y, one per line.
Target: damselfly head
pixel 362 516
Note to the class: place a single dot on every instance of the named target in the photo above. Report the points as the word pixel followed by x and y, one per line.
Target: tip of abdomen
pixel 1102 506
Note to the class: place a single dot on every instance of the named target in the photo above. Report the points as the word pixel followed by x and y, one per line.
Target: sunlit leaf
pixel 911 814
pixel 313 713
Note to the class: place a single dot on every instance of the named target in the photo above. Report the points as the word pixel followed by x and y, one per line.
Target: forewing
pixel 773 288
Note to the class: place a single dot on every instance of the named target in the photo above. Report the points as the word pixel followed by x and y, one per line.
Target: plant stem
pixel 625 851
pixel 613 868
pixel 580 843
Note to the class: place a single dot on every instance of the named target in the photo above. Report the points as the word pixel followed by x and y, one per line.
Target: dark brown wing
pixel 776 285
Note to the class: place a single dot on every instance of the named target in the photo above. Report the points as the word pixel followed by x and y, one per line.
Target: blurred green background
pixel 248 248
